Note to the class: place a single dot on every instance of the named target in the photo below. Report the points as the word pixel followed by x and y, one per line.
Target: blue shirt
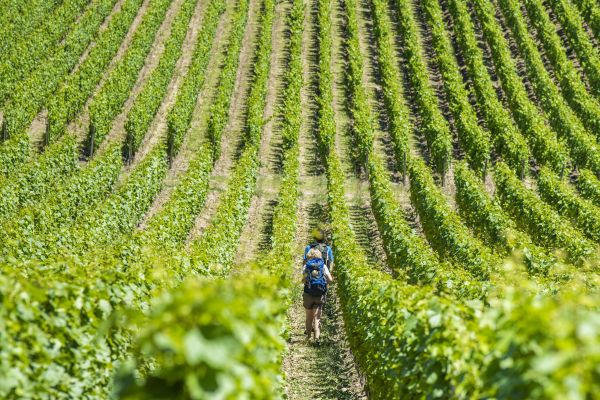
pixel 328 251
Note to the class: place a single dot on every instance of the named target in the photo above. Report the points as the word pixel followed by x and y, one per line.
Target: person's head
pixel 319 235
pixel 313 253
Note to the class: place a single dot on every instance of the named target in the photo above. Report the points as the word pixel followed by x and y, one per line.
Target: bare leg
pixel 310 315
pixel 317 313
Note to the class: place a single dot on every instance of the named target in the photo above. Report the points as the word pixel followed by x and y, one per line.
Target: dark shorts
pixel 313 302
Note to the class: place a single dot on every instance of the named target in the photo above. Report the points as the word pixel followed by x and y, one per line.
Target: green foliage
pixel 219 110
pixel 538 219
pixel 433 125
pixel 32 49
pixel 115 91
pixel 589 187
pixel 569 205
pixel 364 123
pixel 590 11
pixel 396 347
pixel 256 100
pixel 180 116
pixel 474 140
pixel 443 227
pixel 573 89
pixel 169 227
pixel 13 154
pixel 56 341
pixel 508 141
pixel 573 26
pixel 148 101
pixel 327 125
pixel 210 339
pixel 545 147
pixel 214 252
pixel 291 109
pixel 36 179
pixel 72 95
pixel 406 251
pixel 280 261
pixel 399 127
pixel 582 145
pixel 30 95
pixel 484 216
pixel 20 18
pixel 118 215
pixel 82 192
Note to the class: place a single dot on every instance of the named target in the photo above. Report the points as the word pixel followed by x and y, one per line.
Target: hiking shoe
pixel 318 342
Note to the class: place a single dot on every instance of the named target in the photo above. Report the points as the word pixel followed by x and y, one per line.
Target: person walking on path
pixel 320 245
pixel 315 278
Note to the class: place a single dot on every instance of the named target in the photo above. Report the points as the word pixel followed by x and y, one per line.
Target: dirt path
pixel 197 132
pixel 326 372
pixel 232 138
pixel 256 236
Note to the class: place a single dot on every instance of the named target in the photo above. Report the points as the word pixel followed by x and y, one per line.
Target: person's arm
pixel 329 278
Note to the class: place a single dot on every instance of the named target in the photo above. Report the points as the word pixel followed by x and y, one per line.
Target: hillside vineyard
pixel 165 163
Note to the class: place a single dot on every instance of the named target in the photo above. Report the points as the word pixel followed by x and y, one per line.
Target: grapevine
pixel 474 140
pixel 507 139
pixel 537 218
pixel 569 205
pixel 433 125
pixel 399 126
pixel 30 95
pixel 219 110
pixel 573 89
pixel 115 91
pixel 148 101
pixel 70 98
pixel 443 228
pixel 588 55
pixel 364 122
pixel 582 145
pixel 546 148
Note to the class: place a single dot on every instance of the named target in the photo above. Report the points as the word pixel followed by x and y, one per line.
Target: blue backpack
pixel 315 285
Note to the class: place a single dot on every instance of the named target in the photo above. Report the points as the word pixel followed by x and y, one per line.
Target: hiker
pixel 320 245
pixel 315 278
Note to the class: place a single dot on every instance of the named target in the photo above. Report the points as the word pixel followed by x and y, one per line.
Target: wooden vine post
pixel 367 164
pixel 444 171
pixel 214 151
pixel 92 141
pixel 522 169
pixel 4 131
pixel 171 150
pixel 562 171
pixel 485 171
pixel 130 160
pixel 404 170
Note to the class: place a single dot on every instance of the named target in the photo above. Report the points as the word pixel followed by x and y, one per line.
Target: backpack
pixel 324 252
pixel 316 285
